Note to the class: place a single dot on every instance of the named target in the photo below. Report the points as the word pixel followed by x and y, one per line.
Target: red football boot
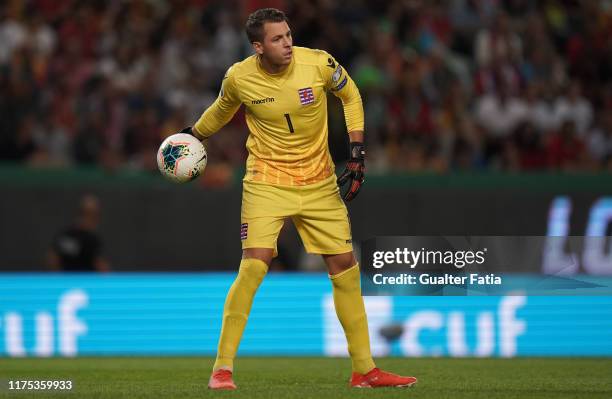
pixel 377 378
pixel 221 379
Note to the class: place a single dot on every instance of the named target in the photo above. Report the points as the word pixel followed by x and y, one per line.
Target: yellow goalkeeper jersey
pixel 286 114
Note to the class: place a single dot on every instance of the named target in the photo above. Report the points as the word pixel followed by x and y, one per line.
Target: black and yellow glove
pixel 190 130
pixel 355 171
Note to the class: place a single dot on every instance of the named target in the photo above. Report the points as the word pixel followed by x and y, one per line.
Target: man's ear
pixel 258 47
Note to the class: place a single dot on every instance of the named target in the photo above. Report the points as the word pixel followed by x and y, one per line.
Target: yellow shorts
pixel 318 212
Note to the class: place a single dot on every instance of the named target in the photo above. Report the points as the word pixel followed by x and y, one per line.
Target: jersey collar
pixel 279 78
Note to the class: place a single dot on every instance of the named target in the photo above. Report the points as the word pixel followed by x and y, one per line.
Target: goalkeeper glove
pixel 355 171
pixel 190 130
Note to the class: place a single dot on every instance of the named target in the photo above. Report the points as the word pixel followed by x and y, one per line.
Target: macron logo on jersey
pixel 306 96
pixel 263 101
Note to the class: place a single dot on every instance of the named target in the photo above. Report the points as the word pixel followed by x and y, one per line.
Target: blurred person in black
pixel 78 248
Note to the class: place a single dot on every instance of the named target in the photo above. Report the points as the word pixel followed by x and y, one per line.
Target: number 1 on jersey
pixel 289 123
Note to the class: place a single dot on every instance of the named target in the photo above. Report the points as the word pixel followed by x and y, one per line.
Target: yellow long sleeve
pixel 342 86
pixel 222 110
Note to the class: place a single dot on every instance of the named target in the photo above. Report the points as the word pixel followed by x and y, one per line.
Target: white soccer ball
pixel 181 158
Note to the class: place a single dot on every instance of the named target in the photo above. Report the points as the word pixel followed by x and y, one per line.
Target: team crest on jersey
pixel 306 96
pixel 244 230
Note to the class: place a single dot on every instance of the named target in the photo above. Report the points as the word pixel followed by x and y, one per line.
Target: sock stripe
pixel 342 273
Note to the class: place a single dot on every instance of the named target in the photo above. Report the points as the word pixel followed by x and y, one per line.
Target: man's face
pixel 277 43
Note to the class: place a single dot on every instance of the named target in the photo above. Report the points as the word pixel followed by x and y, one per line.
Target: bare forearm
pixel 356 136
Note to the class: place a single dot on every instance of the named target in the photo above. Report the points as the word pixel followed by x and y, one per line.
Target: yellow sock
pixel 236 310
pixel 351 313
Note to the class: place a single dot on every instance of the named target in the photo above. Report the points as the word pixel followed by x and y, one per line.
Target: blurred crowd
pixel 513 85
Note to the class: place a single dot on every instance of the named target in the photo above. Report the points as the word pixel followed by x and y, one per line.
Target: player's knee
pixel 253 269
pixel 339 263
pixel 263 254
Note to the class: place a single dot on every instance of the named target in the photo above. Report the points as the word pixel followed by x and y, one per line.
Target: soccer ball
pixel 181 158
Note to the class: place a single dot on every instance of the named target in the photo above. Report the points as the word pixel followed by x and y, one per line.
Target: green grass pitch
pixel 313 377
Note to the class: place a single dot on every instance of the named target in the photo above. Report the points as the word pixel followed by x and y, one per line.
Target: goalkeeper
pixel 290 173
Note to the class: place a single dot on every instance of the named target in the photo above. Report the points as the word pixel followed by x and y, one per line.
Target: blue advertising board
pixel 293 314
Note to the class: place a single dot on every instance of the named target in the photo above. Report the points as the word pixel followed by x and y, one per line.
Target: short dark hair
pixel 255 22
